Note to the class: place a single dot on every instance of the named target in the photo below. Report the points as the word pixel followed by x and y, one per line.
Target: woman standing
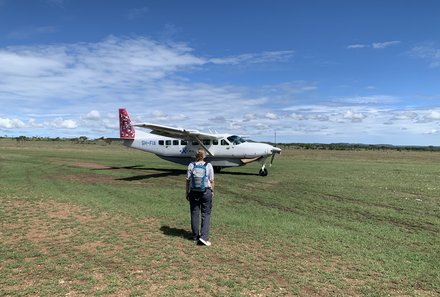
pixel 199 192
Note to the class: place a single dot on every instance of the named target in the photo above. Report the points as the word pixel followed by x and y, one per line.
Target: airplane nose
pixel 276 150
pixel 272 150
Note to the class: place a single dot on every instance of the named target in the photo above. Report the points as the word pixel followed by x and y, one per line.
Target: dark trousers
pixel 200 202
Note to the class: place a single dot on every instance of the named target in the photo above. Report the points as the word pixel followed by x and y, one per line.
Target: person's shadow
pixel 171 231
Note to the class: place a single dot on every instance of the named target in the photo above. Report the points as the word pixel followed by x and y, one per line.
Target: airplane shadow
pixel 161 172
pixel 236 173
pixel 171 231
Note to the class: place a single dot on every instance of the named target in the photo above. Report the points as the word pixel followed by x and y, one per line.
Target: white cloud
pixel 94 115
pixel 60 123
pixel 254 58
pixel 435 115
pixel 432 115
pixel 428 52
pixel 249 117
pixel 357 46
pixel 374 45
pixel 34 124
pixel 298 116
pixel 404 116
pixel 433 131
pixel 366 100
pixel 271 116
pixel 112 67
pixel 11 123
pixel 355 117
pixel 380 45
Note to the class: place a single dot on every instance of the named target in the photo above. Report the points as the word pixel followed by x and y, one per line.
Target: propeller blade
pixel 275 150
pixel 271 160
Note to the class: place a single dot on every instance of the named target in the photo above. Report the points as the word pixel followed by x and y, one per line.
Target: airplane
pixel 179 145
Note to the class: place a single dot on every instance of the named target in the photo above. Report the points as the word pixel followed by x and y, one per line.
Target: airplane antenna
pixel 275 137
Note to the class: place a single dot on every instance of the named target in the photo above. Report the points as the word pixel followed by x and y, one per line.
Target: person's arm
pixel 188 176
pixel 187 189
pixel 212 187
pixel 211 179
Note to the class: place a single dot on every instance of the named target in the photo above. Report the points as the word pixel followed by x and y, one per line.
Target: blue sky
pixel 313 71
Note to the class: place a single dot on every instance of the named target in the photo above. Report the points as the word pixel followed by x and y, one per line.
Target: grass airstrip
pixel 104 220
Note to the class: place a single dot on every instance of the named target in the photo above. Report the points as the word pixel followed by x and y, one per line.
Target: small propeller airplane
pixel 179 145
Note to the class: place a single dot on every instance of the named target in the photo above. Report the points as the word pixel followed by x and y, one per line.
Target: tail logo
pixel 125 128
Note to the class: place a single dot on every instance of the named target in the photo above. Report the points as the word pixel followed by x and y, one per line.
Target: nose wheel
pixel 263 172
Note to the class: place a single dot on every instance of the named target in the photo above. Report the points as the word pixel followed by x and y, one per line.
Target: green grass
pixel 104 220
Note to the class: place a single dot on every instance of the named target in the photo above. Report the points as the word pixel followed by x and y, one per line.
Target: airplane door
pixel 225 144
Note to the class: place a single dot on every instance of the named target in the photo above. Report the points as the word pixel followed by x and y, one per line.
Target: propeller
pixel 275 150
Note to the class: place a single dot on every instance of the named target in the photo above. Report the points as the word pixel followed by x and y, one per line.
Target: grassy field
pixel 103 220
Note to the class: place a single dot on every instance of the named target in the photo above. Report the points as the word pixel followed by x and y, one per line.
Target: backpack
pixel 198 177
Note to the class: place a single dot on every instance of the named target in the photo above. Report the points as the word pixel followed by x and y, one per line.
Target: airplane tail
pixel 126 130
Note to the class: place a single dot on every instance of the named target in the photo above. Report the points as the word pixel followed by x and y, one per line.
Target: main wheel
pixel 217 169
pixel 263 172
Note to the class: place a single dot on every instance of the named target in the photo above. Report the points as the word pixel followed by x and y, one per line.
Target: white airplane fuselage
pixel 224 153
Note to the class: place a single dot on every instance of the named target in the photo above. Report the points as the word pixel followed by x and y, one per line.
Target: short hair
pixel 200 154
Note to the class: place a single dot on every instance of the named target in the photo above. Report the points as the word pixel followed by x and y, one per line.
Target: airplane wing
pixel 178 132
pixel 192 135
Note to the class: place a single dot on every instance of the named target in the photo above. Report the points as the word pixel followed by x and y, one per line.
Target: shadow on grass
pixel 237 173
pixel 161 172
pixel 171 231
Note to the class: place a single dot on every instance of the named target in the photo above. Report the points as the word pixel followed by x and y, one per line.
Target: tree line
pixel 357 146
pixel 81 139
pixel 302 146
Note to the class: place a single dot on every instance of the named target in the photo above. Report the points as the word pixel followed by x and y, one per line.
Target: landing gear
pixel 217 169
pixel 263 172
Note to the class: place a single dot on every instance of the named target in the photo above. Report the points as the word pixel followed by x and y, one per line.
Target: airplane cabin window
pixel 215 142
pixel 184 142
pixel 168 142
pixel 175 142
pixel 161 142
pixel 234 139
pixel 206 142
pixel 195 143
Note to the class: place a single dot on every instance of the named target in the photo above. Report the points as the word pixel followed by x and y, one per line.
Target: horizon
pixel 313 71
pixel 102 138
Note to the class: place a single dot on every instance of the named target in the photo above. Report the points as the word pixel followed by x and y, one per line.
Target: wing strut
pixel 206 149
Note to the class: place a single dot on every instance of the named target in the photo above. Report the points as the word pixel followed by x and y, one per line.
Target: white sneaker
pixel 205 242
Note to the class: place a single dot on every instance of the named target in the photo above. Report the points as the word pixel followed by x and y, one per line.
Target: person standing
pixel 199 193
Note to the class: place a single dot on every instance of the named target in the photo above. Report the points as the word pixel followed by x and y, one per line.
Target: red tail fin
pixel 126 130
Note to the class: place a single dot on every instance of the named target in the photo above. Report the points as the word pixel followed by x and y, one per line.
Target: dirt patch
pixel 88 178
pixel 79 164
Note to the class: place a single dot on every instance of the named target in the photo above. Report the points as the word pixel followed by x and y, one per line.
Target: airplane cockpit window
pixel 234 139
